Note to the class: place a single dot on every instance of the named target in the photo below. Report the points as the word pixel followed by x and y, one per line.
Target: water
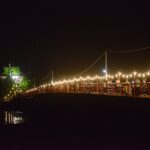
pixel 75 122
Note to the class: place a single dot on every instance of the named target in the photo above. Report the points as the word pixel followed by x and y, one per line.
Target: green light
pixel 11 70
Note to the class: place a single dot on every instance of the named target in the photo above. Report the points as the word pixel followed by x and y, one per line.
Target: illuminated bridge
pixel 120 84
pixel 134 84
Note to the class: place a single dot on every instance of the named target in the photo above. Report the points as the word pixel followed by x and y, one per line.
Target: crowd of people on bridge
pixel 134 87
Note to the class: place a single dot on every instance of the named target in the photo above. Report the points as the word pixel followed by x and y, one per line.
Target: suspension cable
pixel 130 51
pixel 93 64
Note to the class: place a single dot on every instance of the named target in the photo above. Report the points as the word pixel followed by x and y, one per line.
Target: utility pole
pixel 10 73
pixel 106 65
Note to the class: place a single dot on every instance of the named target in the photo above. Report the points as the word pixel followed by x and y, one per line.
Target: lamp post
pixel 119 74
pixel 134 73
pixel 105 73
pixel 10 73
pixel 52 80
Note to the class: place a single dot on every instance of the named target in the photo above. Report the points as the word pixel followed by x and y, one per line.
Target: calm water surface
pixel 75 122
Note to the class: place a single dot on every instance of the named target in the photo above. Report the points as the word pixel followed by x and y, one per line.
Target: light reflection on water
pixel 13 117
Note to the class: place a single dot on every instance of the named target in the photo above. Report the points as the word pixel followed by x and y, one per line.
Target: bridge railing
pixel 95 87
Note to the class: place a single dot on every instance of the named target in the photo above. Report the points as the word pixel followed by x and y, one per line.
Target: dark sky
pixel 68 36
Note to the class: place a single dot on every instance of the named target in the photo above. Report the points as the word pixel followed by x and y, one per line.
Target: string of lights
pixel 74 80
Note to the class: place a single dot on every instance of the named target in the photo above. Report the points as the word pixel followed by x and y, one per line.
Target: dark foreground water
pixel 73 122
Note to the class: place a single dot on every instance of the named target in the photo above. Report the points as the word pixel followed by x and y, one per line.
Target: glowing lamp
pixel 135 73
pixel 116 75
pixel 112 77
pixel 104 71
pixel 15 77
pixel 119 73
pixel 123 75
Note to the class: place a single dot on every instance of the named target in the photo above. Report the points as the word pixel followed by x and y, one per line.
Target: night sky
pixel 67 36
